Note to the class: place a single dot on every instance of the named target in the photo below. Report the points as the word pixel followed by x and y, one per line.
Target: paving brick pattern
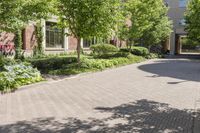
pixel 157 96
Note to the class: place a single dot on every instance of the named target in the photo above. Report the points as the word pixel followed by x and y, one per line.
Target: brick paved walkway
pixel 157 96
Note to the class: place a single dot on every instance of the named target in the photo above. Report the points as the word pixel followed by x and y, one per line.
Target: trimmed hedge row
pixel 52 63
pixel 140 51
pixel 100 49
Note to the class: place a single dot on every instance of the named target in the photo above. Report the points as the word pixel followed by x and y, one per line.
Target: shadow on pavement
pixel 142 116
pixel 187 70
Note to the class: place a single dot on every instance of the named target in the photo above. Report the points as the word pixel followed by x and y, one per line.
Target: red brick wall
pixel 29 38
pixel 72 43
pixel 6 37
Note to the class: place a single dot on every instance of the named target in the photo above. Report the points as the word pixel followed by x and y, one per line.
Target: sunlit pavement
pixel 157 96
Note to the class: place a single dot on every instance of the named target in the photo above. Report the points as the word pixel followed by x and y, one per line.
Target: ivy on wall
pixel 38 49
pixel 18 44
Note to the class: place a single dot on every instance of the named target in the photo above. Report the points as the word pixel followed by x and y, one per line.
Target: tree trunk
pixel 78 50
pixel 120 43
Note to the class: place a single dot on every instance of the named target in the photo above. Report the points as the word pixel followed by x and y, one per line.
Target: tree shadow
pixel 142 116
pixel 188 70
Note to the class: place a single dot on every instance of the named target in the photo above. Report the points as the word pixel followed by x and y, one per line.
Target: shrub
pixel 6 61
pixel 140 51
pixel 18 75
pixel 125 50
pixel 100 49
pixel 113 55
pixel 154 56
pixel 98 64
pixel 52 63
pixel 92 64
pixel 156 49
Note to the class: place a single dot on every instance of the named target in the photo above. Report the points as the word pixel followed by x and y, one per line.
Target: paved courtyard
pixel 156 96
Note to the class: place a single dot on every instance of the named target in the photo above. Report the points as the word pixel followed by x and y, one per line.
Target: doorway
pixel 185 46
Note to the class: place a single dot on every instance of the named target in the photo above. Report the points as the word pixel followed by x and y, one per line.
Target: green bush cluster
pixel 154 56
pixel 51 63
pixel 100 49
pixel 113 55
pixel 6 61
pixel 18 75
pixel 140 51
pixel 93 64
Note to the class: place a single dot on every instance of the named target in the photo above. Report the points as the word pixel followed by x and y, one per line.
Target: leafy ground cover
pixel 15 74
pixel 102 56
pixel 90 64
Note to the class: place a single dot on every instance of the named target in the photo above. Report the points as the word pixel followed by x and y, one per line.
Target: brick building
pixel 55 41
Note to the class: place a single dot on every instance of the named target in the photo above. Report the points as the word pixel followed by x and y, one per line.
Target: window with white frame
pixel 182 3
pixel 54 36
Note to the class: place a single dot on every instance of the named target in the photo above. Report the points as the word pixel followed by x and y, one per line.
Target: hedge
pixel 52 63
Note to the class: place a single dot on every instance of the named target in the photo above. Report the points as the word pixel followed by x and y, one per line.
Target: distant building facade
pixel 176 12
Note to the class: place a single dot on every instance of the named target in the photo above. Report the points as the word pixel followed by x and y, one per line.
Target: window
pixel 54 36
pixel 182 22
pixel 182 3
pixel 88 42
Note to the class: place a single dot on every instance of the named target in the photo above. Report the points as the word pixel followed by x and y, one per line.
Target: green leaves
pixel 89 18
pixel 16 13
pixel 192 17
pixel 100 49
pixel 149 21
pixel 18 75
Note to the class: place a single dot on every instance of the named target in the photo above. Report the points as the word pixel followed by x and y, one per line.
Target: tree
pixel 193 20
pixel 122 30
pixel 123 33
pixel 88 18
pixel 20 13
pixel 149 21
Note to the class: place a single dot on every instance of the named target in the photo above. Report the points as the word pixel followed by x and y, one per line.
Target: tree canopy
pixel 89 18
pixel 149 19
pixel 193 20
pixel 16 13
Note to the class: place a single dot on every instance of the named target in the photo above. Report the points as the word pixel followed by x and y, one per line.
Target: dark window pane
pixel 54 36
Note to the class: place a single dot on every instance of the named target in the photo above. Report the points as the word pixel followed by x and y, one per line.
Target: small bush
pixel 157 49
pixel 6 61
pixel 18 75
pixel 98 64
pixel 140 51
pixel 154 56
pixel 100 49
pixel 125 50
pixel 52 63
pixel 113 55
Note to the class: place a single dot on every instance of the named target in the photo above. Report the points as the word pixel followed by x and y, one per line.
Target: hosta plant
pixel 17 75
